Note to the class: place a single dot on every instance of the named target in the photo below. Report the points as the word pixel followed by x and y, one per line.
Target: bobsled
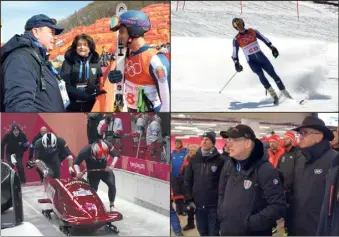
pixel 77 205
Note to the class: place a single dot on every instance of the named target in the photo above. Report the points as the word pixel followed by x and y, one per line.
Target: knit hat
pixel 211 136
pixel 274 137
pixel 291 135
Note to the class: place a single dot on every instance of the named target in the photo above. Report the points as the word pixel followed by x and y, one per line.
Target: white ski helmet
pixel 49 141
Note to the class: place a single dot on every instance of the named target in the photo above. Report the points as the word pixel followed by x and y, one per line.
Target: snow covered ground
pixel 138 221
pixel 201 48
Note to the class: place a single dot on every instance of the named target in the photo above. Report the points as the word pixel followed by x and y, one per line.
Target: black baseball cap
pixel 240 130
pixel 42 20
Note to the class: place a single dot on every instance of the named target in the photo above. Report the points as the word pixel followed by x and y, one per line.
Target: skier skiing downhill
pixel 247 40
pixel 147 70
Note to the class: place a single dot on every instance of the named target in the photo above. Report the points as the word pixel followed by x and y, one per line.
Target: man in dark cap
pixel 310 176
pixel 16 143
pixel 30 83
pixel 251 197
pixel 201 185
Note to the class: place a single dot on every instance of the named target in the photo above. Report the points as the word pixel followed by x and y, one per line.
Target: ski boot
pixel 47 213
pixel 285 93
pixel 112 228
pixel 273 95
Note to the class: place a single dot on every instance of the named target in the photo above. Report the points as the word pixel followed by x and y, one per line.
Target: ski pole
pixel 228 82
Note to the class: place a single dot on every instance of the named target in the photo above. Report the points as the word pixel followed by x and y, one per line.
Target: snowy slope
pixel 202 37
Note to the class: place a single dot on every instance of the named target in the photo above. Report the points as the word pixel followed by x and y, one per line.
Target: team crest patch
pixel 247 184
pixel 94 70
pixel 214 168
pixel 160 73
pixel 275 181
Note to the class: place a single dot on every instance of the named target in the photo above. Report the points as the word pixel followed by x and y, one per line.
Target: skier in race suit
pixel 247 40
pixel 147 70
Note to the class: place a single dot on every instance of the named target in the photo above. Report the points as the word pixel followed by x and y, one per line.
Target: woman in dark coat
pixel 81 71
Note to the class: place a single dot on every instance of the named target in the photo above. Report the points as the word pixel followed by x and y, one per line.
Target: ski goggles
pixel 236 22
pixel 115 24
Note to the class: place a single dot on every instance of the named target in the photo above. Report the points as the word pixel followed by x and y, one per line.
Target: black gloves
pixel 275 52
pixel 115 76
pixel 238 67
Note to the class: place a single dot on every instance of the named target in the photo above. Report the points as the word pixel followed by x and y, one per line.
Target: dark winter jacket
pixel 202 178
pixel 252 199
pixel 14 145
pixel 329 215
pixel 309 188
pixel 286 165
pixel 77 71
pixel 23 79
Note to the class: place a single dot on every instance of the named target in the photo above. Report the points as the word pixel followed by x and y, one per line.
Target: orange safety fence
pixel 160 20
pixel 105 102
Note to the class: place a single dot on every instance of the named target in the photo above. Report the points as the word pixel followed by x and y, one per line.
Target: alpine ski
pixel 120 62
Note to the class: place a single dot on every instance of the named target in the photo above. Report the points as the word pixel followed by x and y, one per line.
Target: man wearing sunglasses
pixel 251 197
pixel 247 40
pixel 310 175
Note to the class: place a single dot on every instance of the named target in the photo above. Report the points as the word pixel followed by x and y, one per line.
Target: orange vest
pixel 137 68
pixel 246 39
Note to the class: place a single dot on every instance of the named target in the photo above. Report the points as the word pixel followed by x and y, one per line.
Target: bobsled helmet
pixel 236 21
pixel 136 22
pixel 49 142
pixel 100 151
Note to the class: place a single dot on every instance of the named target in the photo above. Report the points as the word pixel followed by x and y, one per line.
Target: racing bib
pixel 64 94
pixel 131 94
pixel 251 48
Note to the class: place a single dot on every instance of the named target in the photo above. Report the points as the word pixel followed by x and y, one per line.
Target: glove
pixel 115 76
pixel 91 89
pixel 101 92
pixel 238 67
pixel 191 205
pixel 93 96
pixel 275 52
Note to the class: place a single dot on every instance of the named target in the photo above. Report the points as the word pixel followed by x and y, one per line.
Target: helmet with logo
pixel 136 22
pixel 236 21
pixel 49 142
pixel 100 151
